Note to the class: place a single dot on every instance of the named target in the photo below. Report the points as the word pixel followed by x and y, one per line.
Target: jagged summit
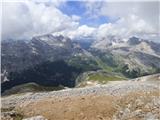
pixel 134 40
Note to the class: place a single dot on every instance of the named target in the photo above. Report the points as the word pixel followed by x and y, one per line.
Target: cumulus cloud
pixel 26 19
pixel 148 11
pixel 80 32
pixel 75 17
pixel 130 18
pixel 125 27
pixel 93 8
pixel 23 20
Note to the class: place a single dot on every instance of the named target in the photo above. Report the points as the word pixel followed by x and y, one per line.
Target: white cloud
pixel 125 27
pixel 26 19
pixel 82 31
pixel 132 18
pixel 148 11
pixel 75 18
pixel 93 8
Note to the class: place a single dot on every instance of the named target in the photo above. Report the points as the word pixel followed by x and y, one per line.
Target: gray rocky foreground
pixel 119 88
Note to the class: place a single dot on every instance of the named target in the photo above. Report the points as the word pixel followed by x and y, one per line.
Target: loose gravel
pixel 115 89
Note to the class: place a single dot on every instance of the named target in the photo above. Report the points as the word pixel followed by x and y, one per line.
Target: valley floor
pixel 138 99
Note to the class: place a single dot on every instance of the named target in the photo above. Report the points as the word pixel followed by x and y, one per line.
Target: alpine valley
pixel 54 62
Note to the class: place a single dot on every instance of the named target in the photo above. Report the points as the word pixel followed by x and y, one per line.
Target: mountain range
pixel 50 60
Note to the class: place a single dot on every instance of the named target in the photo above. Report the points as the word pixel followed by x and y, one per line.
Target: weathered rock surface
pixel 36 118
pixel 129 100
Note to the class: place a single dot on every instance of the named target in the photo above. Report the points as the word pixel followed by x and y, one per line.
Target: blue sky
pixel 78 8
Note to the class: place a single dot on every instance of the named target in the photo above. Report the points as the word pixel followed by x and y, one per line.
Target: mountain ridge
pixel 132 58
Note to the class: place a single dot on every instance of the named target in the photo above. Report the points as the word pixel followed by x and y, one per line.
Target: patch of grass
pixel 30 87
pixel 102 65
pixel 40 88
pixel 104 78
pixel 84 63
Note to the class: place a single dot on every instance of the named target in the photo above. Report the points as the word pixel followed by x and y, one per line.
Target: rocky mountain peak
pixel 52 40
pixel 134 41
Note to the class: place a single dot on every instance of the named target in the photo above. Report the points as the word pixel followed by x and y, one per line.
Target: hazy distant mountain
pixel 134 54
